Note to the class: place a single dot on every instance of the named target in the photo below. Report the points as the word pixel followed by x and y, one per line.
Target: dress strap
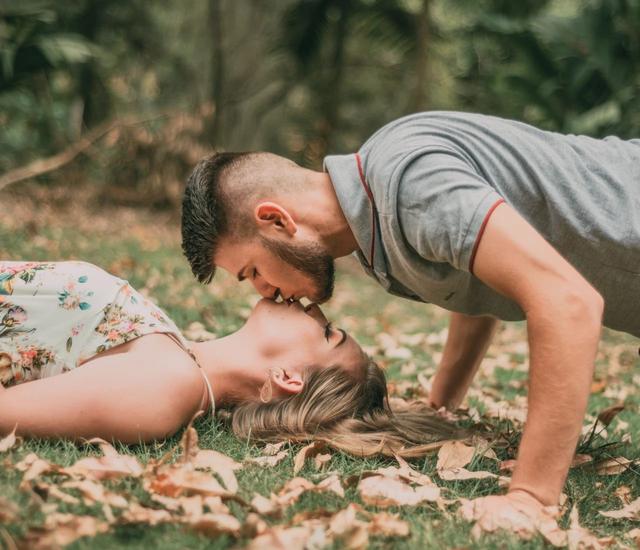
pixel 184 346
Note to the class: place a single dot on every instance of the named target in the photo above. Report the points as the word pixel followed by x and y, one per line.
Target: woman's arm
pixel 146 390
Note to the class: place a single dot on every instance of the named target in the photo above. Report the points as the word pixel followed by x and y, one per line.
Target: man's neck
pixel 318 209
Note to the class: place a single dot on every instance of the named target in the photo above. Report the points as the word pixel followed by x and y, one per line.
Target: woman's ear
pixel 289 383
pixel 270 216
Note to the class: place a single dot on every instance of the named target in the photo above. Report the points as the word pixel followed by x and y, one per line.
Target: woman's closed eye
pixel 328 329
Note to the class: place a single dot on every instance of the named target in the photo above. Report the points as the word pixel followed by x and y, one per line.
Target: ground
pixel 142 246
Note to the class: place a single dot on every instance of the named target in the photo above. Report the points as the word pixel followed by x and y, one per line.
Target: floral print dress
pixel 54 316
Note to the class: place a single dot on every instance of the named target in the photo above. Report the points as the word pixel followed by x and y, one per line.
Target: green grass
pixel 157 266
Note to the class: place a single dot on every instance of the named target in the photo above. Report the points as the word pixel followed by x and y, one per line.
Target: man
pixel 488 218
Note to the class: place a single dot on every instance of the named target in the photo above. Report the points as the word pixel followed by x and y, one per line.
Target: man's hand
pixel 564 315
pixel 467 342
pixel 517 511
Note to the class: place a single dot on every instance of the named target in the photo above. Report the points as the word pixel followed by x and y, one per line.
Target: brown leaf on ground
pixel 388 525
pixel 8 511
pixel 271 449
pixel 220 464
pixel 136 513
pixel 454 454
pixel 308 451
pixel 33 466
pixel 9 441
pixel 177 480
pixel 613 466
pixel 387 491
pixel 348 529
pixel 579 538
pixel 461 474
pixel 63 529
pixel 287 538
pixel 630 511
pixel 321 460
pixel 213 525
pixel 112 465
pixel 268 460
pixel 608 414
pixel 634 535
pixel 264 506
pixel 623 493
pixel 93 492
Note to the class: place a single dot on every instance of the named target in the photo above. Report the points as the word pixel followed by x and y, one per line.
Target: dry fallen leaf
pixel 215 524
pixel 608 414
pixel 630 511
pixel 136 513
pixel 93 492
pixel 284 538
pixel 613 466
pixel 9 441
pixel 579 538
pixel 454 454
pixel 634 535
pixel 308 451
pixel 33 466
pixel 387 491
pixel 461 474
pixel 321 460
pixel 348 529
pixel 63 529
pixel 268 460
pixel 112 465
pixel 388 525
pixel 8 511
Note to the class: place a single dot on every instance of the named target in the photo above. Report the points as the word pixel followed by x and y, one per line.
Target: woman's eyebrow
pixel 342 340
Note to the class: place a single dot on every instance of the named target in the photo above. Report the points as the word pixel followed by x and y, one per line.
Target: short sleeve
pixel 443 207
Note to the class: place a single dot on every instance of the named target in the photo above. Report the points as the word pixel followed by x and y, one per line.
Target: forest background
pixel 303 78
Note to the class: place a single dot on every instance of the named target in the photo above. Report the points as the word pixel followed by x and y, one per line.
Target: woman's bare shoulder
pixel 157 348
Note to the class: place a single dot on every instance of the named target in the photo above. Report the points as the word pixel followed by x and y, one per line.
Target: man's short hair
pixel 204 214
pixel 216 198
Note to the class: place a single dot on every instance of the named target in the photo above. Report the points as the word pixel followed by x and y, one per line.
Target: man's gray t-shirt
pixel 421 189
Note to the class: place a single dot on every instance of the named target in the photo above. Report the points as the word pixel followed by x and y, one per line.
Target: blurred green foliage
pixel 299 77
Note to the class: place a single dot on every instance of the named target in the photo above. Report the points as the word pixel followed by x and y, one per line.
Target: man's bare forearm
pixel 563 344
pixel 467 342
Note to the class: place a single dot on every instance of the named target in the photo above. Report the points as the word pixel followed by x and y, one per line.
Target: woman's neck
pixel 227 363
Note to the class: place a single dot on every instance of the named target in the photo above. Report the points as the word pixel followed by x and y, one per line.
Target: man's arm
pixel 467 342
pixel 564 316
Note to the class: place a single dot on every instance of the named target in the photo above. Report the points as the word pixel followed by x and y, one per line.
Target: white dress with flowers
pixel 55 316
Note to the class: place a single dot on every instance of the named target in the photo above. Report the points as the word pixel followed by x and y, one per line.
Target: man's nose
pixel 264 288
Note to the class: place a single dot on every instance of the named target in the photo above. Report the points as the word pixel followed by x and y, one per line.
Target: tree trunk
pixel 420 99
pixel 217 70
pixel 333 88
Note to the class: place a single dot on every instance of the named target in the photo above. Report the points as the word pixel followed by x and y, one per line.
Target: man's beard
pixel 311 260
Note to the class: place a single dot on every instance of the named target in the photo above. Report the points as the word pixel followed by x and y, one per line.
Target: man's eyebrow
pixel 240 276
pixel 344 337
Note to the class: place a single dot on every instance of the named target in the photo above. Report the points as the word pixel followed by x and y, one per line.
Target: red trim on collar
pixel 374 212
pixel 481 231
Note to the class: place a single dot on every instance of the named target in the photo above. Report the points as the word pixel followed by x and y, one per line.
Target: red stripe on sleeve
pixel 480 233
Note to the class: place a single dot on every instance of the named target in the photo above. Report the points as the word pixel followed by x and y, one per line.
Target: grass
pixel 143 247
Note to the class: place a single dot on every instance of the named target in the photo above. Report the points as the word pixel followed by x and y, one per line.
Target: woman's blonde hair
pixel 348 413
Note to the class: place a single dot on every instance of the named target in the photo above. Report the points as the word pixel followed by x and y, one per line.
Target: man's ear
pixel 270 216
pixel 290 383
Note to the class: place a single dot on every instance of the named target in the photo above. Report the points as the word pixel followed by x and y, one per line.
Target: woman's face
pixel 293 337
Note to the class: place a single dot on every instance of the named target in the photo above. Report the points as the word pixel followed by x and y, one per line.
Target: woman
pixel 287 373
